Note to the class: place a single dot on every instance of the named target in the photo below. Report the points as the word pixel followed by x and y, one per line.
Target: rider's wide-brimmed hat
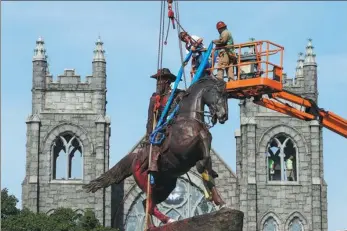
pixel 164 73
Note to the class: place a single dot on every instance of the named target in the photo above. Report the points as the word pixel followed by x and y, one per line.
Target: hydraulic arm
pixel 304 109
pixel 258 76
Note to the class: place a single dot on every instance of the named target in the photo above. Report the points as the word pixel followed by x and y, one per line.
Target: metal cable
pixel 162 36
pixel 180 43
pixel 160 29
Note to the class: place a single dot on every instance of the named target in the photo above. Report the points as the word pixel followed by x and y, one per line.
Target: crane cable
pixel 161 36
pixel 180 43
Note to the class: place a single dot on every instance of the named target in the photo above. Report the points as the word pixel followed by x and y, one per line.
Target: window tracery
pixel 183 202
pixel 67 157
pixel 270 225
pixel 296 225
pixel 282 159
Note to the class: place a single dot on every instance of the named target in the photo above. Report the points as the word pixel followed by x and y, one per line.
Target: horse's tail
pixel 115 175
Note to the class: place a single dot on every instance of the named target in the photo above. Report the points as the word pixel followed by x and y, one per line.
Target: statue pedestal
pixel 223 220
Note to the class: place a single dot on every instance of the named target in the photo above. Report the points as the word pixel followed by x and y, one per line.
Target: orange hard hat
pixel 220 25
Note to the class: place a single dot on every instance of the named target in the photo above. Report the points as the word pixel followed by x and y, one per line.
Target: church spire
pixel 299 66
pixel 39 51
pixel 99 51
pixel 310 55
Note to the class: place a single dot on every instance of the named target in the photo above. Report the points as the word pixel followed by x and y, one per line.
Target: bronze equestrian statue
pixel 187 144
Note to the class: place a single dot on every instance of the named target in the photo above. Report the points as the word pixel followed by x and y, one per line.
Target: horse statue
pixel 187 144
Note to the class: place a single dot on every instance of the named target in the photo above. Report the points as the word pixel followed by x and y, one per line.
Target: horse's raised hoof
pixel 170 220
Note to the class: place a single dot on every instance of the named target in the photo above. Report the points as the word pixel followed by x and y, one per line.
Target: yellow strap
pixel 208 195
pixel 205 176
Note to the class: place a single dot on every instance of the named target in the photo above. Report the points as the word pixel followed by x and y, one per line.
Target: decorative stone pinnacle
pixel 39 51
pixel 299 66
pixel 99 51
pixel 309 44
pixel 300 59
pixel 309 55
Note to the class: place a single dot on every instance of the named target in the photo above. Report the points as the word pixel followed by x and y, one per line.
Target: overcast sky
pixel 130 34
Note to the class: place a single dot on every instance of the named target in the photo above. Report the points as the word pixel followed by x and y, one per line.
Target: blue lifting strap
pixel 178 79
pixel 157 137
pixel 154 139
pixel 203 64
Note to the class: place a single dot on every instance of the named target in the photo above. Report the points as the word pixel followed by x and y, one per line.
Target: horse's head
pixel 216 99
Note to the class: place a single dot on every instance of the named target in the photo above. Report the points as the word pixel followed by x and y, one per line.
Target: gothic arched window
pixel 183 202
pixel 67 157
pixel 270 225
pixel 296 225
pixel 282 159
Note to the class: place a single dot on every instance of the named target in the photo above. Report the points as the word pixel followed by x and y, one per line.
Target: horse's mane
pixel 206 80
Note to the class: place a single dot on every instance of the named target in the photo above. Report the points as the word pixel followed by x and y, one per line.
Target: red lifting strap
pixel 157 102
pixel 170 13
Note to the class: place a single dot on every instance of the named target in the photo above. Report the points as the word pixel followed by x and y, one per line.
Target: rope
pixel 159 66
pixel 162 36
pixel 180 43
pixel 149 191
pixel 167 32
pixel 160 29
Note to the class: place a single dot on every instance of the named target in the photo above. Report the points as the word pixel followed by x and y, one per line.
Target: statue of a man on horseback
pixel 187 144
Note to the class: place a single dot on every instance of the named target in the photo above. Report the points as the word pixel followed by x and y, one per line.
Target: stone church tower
pixel 280 162
pixel 67 138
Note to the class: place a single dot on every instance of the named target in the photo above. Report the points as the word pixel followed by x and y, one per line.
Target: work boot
pixel 214 174
pixel 216 197
pixel 154 160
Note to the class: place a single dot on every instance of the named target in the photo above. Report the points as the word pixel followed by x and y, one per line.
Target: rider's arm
pixel 149 126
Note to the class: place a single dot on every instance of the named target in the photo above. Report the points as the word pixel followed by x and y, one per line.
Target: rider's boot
pixel 217 199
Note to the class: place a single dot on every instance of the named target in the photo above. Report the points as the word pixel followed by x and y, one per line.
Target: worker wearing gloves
pixel 193 43
pixel 226 55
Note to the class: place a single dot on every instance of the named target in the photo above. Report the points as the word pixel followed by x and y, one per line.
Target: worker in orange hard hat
pixel 226 55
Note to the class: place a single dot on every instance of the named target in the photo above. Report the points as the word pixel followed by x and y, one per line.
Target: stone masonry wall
pixel 67 105
pixel 260 199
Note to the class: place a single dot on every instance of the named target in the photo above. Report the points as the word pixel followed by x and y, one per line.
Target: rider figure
pixel 159 98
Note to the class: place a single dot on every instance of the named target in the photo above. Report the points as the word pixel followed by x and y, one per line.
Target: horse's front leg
pixel 204 167
pixel 153 210
pixel 160 193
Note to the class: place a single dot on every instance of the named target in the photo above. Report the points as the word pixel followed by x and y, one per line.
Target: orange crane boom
pixel 259 77
pixel 309 110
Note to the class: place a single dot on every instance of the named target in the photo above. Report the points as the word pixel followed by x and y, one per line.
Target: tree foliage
pixel 62 219
pixel 8 204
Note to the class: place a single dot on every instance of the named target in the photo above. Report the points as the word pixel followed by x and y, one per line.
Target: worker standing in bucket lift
pixel 194 44
pixel 226 55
